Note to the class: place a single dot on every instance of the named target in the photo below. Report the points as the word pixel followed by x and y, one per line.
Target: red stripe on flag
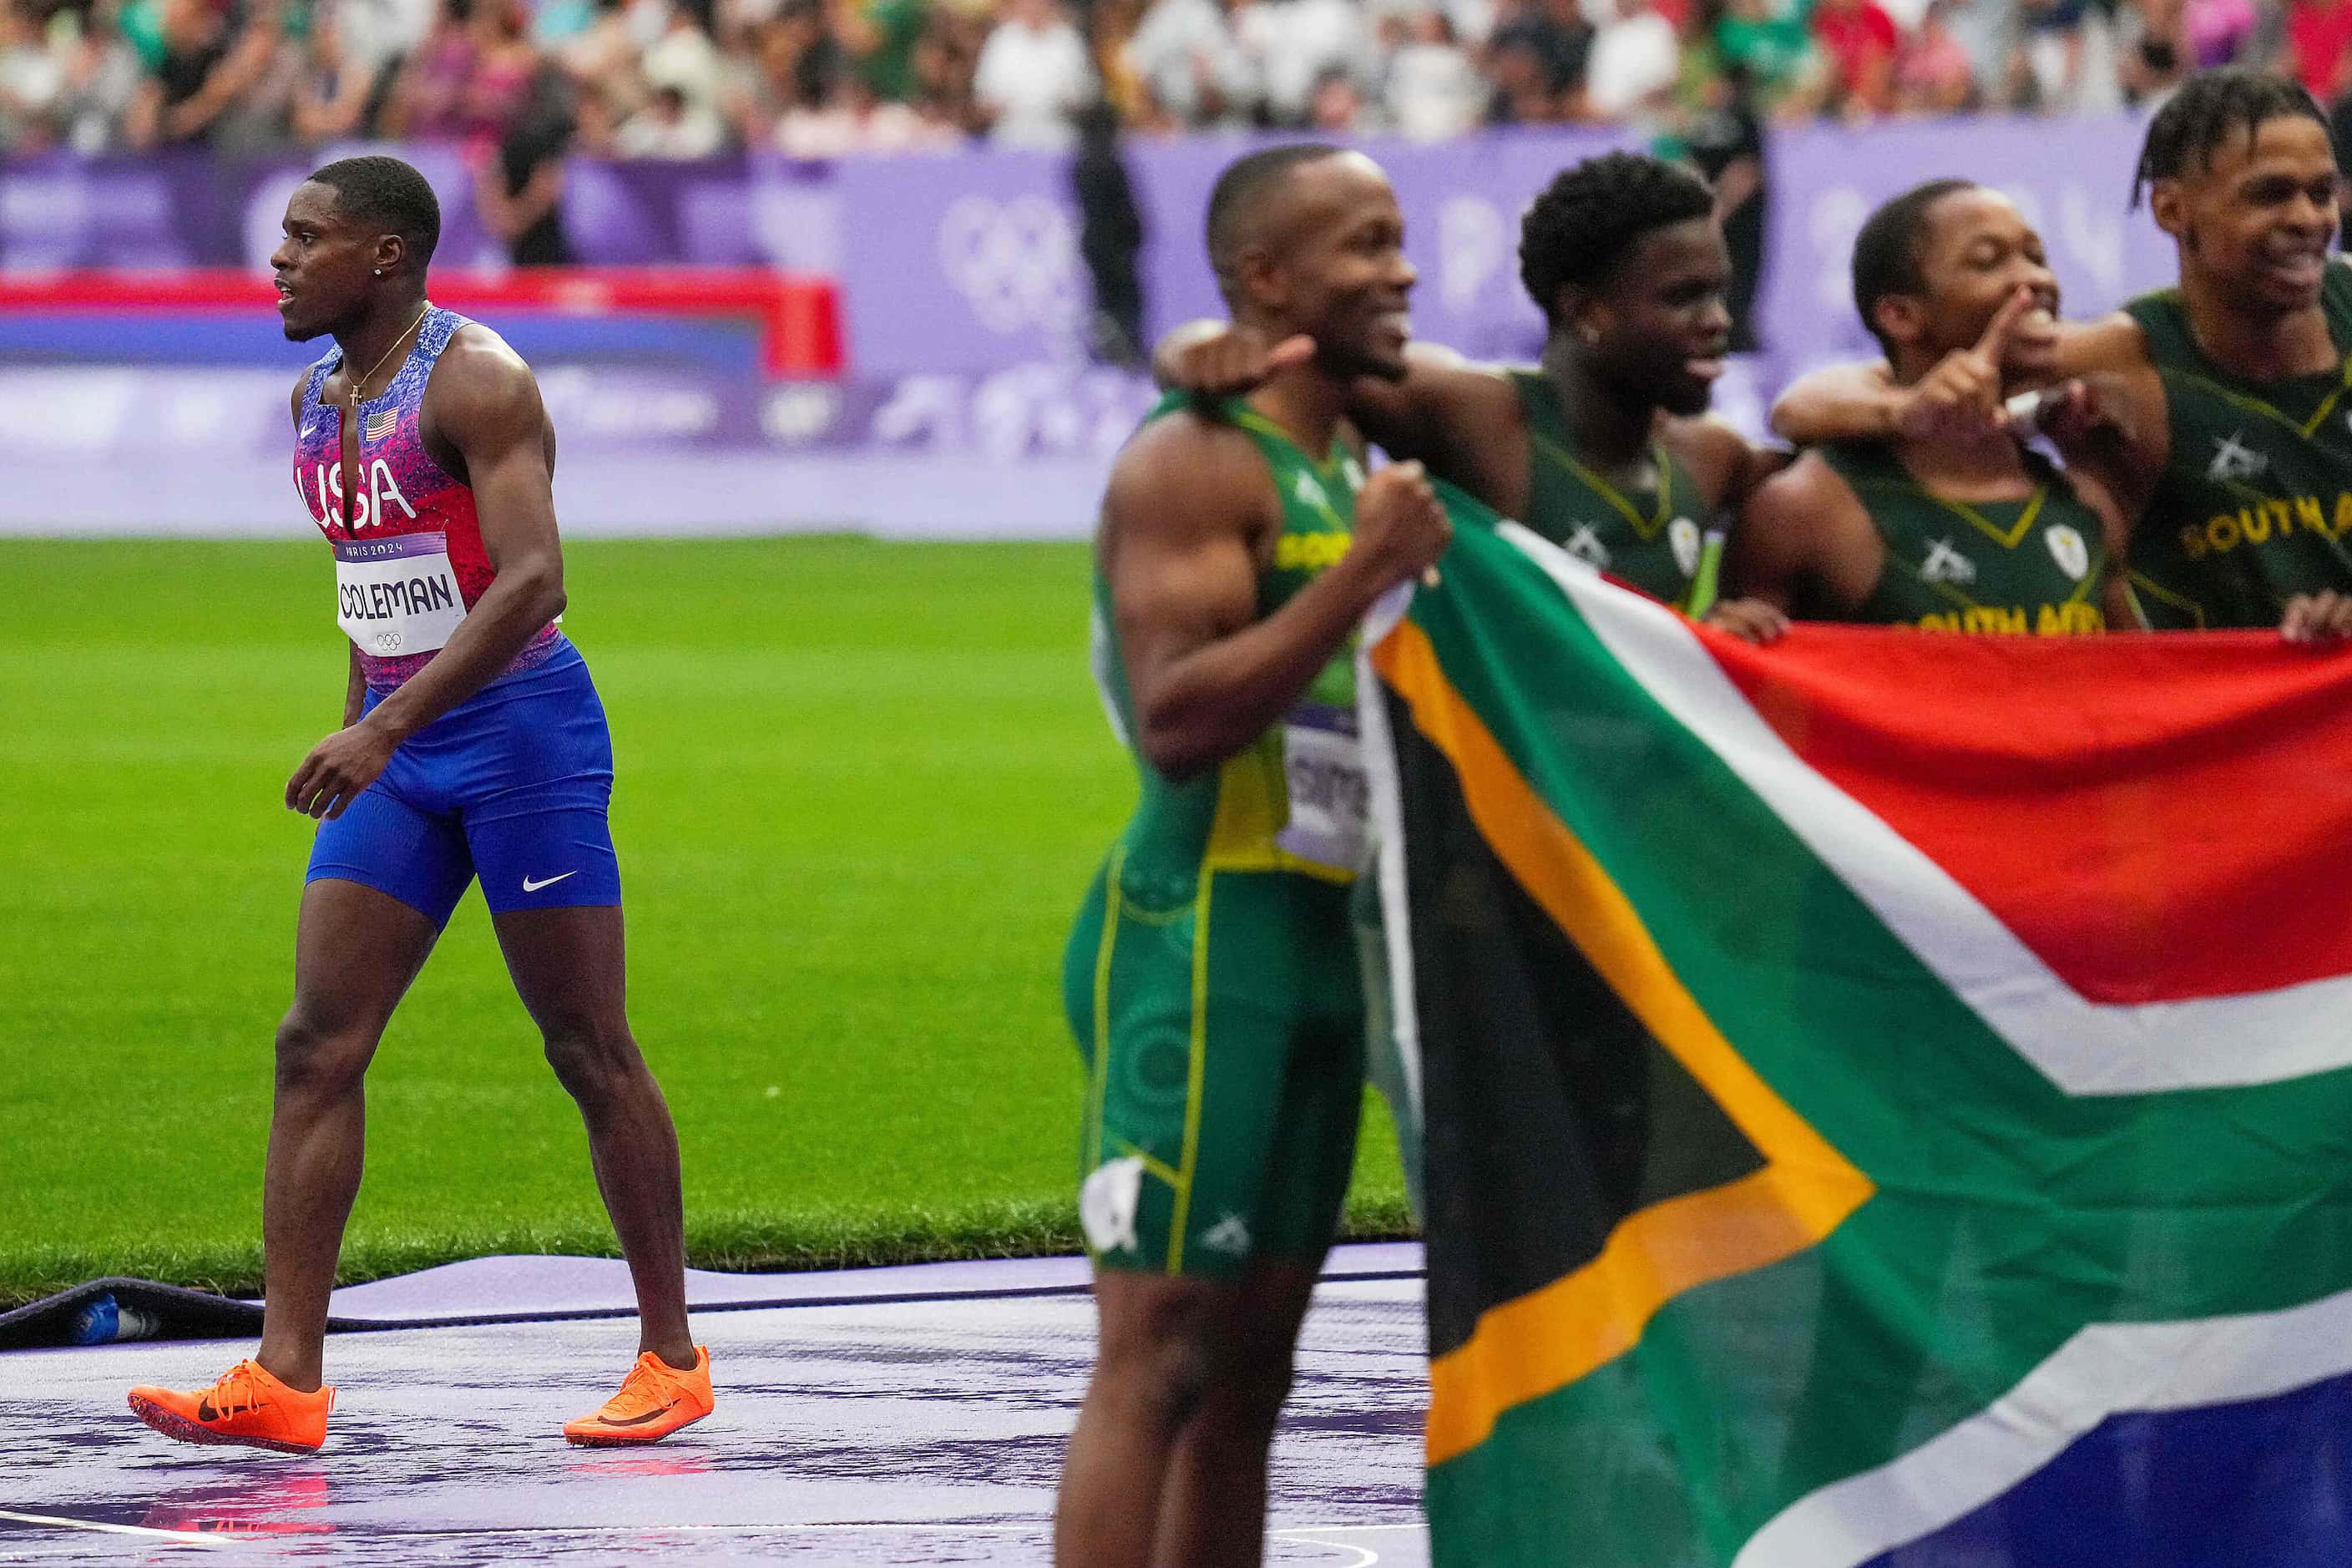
pixel 2159 817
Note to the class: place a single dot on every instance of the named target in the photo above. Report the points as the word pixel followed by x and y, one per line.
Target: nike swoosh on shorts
pixel 531 887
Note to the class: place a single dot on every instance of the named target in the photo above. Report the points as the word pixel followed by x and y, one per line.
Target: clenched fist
pixel 1401 528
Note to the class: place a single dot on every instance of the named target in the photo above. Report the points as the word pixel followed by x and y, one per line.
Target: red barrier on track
pixel 800 316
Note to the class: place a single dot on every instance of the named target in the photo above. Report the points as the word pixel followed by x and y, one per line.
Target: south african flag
pixel 1886 1094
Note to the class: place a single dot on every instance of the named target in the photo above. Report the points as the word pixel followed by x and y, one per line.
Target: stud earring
pixel 379 271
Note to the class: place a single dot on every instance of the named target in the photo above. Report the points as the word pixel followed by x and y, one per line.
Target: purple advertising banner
pixel 968 263
pixel 959 262
pixel 969 404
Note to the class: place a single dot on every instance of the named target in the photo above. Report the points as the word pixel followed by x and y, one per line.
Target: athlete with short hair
pixel 1212 980
pixel 473 745
pixel 1606 448
pixel 1968 531
pixel 2218 407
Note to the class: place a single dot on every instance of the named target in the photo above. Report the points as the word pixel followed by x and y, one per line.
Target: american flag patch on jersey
pixel 378 425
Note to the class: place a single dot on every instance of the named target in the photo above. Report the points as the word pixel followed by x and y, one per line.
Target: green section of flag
pixel 2009 1216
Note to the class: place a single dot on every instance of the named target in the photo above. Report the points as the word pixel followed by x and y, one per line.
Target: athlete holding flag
pixel 1211 978
pixel 473 743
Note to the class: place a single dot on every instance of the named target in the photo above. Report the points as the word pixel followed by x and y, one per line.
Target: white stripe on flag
pixel 2104 1369
pixel 1388 819
pixel 2084 1047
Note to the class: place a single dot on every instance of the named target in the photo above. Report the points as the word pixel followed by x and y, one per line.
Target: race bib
pixel 397 595
pixel 1331 799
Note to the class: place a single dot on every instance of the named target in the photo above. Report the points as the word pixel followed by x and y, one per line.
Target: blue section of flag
pixel 2266 1483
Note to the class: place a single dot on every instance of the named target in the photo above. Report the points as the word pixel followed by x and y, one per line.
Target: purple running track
pixel 900 1416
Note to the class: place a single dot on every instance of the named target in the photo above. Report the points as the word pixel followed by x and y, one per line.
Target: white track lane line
pixel 177 1537
pixel 1315 1535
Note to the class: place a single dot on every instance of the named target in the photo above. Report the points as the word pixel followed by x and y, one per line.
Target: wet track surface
pixel 907 1431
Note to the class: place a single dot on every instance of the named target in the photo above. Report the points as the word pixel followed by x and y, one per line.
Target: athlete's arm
pixel 1442 412
pixel 1960 397
pixel 2110 427
pixel 1185 506
pixel 1798 546
pixel 483 402
pixel 1840 403
pixel 1217 359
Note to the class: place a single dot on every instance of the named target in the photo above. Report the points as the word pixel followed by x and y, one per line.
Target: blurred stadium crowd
pixel 683 79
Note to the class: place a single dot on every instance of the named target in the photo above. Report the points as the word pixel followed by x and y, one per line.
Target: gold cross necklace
pixel 353 388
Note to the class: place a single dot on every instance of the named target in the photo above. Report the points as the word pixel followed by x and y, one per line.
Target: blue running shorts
pixel 512 786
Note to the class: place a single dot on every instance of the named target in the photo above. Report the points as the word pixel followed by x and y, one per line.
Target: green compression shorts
pixel 1223 1035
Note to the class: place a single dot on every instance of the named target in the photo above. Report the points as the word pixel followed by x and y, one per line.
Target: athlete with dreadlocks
pixel 1605 448
pixel 2216 411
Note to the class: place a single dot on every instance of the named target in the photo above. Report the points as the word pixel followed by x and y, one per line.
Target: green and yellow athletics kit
pixel 1648 538
pixel 1213 980
pixel 2017 567
pixel 2254 505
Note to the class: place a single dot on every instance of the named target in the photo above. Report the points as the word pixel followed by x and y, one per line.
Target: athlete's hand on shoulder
pixel 1227 362
pixel 339 768
pixel 1750 620
pixel 2322 618
pixel 1400 526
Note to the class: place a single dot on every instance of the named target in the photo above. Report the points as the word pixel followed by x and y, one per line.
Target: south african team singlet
pixel 1212 979
pixel 1294 800
pixel 2256 499
pixel 1650 538
pixel 2034 566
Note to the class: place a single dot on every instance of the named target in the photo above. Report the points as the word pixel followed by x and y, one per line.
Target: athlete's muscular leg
pixel 569 968
pixel 1212 1510
pixel 355 952
pixel 1157 1355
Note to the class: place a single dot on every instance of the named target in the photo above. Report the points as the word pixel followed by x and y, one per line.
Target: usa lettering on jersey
pixel 326 481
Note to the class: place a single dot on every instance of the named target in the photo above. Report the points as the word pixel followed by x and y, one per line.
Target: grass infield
pixel 861 786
